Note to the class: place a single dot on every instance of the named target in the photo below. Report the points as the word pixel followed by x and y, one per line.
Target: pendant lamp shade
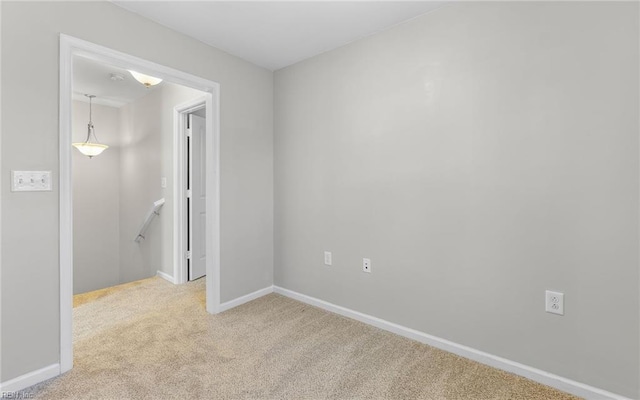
pixel 90 149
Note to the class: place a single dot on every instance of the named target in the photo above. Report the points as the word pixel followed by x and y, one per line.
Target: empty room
pixel 324 199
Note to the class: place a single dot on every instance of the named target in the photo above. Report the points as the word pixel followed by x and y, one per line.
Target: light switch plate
pixel 30 181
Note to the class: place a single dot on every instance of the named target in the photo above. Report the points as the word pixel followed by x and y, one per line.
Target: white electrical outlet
pixel 554 302
pixel 327 258
pixel 366 265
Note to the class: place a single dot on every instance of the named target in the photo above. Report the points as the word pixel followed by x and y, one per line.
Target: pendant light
pixel 146 80
pixel 89 148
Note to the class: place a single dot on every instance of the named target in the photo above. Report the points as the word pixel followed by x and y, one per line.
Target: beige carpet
pixel 154 340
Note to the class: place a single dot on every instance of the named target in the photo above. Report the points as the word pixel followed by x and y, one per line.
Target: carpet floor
pixel 153 340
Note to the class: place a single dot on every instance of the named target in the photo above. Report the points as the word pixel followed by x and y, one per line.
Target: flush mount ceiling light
pixel 146 80
pixel 89 148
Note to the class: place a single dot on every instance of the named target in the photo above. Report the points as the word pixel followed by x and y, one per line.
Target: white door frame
pixel 69 47
pixel 180 274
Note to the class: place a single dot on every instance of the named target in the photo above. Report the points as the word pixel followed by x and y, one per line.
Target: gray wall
pixel 140 186
pixel 478 155
pixel 30 44
pixel 96 205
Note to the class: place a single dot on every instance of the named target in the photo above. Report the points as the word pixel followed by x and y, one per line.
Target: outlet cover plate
pixel 554 302
pixel 327 258
pixel 366 265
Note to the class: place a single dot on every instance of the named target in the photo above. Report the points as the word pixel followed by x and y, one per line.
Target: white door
pixel 197 206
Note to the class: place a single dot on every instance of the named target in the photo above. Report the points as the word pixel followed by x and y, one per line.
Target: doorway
pixel 197 198
pixel 190 175
pixel 70 47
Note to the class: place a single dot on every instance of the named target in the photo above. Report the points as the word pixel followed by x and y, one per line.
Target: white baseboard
pixel 166 276
pixel 30 379
pixel 245 299
pixel 537 375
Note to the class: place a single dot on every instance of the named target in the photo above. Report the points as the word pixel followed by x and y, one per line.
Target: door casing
pixel 70 47
pixel 180 113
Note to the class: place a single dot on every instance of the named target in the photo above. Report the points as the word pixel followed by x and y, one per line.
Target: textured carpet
pixel 155 340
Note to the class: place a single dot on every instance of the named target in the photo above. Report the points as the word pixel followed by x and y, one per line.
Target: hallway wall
pixel 96 201
pixel 141 160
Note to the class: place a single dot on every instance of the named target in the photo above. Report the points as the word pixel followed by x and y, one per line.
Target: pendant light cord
pixel 90 108
pixel 91 128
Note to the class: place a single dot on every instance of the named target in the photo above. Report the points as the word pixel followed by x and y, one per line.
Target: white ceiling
pixel 270 34
pixel 90 77
pixel 275 34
